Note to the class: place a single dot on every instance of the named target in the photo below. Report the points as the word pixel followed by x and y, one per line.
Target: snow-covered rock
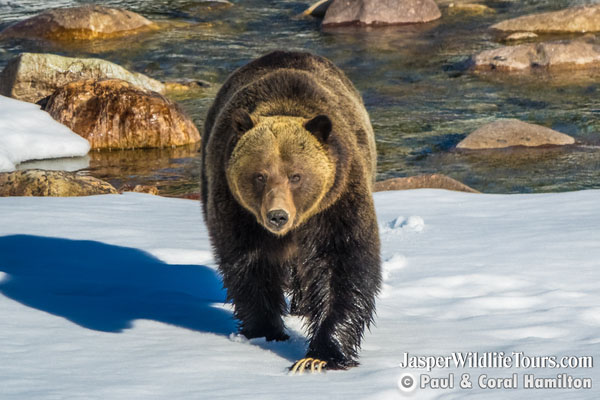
pixel 28 133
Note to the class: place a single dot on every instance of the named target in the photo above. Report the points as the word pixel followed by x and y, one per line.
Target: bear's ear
pixel 241 121
pixel 320 126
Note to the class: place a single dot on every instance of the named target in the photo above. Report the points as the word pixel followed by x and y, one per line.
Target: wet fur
pixel 330 264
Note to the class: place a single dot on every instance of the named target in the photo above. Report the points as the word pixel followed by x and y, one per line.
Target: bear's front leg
pixel 256 289
pixel 339 282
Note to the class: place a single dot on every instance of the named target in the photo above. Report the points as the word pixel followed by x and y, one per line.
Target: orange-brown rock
pixel 37 182
pixel 114 114
pixel 428 181
pixel 80 23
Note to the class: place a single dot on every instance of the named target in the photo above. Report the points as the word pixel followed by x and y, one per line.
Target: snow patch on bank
pixel 28 133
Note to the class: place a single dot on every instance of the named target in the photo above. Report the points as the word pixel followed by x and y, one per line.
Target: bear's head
pixel 280 169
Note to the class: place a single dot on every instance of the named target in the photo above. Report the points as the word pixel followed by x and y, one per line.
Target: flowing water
pixel 421 99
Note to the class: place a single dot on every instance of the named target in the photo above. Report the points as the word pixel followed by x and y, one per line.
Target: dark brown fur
pixel 329 262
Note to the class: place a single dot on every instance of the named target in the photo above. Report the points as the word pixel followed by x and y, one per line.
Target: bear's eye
pixel 295 178
pixel 260 178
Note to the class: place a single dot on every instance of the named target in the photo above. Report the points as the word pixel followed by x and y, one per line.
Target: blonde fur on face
pixel 279 148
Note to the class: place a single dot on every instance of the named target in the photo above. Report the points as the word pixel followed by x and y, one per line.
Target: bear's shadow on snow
pixel 105 287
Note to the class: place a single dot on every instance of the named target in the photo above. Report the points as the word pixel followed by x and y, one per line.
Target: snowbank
pixel 117 297
pixel 28 133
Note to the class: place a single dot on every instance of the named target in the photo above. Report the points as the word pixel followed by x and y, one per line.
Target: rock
pixel 469 8
pixel 31 77
pixel 575 19
pixel 37 182
pixel 149 189
pixel 430 181
pixel 573 54
pixel 520 36
pixel 114 114
pixel 80 23
pixel 512 132
pixel 381 12
pixel 185 85
pixel 318 9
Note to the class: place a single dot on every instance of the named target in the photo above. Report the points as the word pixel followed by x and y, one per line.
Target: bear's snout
pixel 277 218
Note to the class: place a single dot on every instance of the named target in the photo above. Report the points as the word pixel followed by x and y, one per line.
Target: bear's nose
pixel 277 218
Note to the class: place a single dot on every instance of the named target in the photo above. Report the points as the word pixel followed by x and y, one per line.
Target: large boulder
pixel 37 182
pixel 576 19
pixel 574 54
pixel 512 132
pixel 427 181
pixel 31 77
pixel 114 114
pixel 80 23
pixel 381 12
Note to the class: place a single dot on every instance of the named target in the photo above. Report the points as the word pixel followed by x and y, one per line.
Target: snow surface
pixel 28 133
pixel 116 297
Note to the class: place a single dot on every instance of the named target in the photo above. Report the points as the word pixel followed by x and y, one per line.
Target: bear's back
pixel 295 84
pixel 320 68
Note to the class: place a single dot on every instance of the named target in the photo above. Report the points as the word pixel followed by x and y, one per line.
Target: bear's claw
pixel 316 365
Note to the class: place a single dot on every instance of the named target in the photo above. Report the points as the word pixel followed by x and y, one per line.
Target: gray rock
pixel 31 77
pixel 512 132
pixel 575 19
pixel 383 12
pixel 428 181
pixel 574 54
pixel 37 182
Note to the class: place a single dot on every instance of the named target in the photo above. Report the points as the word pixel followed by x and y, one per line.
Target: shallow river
pixel 421 100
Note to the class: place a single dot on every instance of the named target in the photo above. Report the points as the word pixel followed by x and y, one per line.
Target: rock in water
pixel 575 19
pixel 318 9
pixel 31 77
pixel 384 12
pixel 512 132
pixel 80 23
pixel 427 181
pixel 114 114
pixel 573 54
pixel 37 182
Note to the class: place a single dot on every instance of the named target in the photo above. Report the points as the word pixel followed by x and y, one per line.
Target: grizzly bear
pixel 288 161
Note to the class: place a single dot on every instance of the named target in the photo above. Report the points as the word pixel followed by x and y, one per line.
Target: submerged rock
pixel 381 12
pixel 575 19
pixel 469 8
pixel 37 182
pixel 580 53
pixel 80 23
pixel 149 189
pixel 521 36
pixel 114 114
pixel 512 132
pixel 428 181
pixel 31 77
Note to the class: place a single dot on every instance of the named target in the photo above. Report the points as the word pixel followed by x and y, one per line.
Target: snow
pixel 28 133
pixel 117 297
